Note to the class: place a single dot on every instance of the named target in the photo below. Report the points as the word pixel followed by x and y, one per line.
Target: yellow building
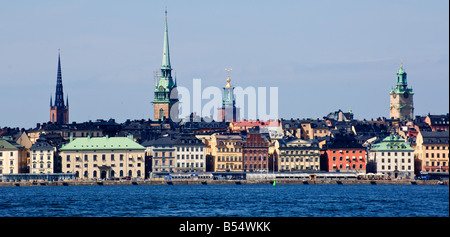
pixel 431 151
pixel 226 152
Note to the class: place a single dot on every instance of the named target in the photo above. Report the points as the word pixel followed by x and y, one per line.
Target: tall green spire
pixel 166 56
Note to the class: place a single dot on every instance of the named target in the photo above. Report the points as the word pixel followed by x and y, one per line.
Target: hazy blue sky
pixel 322 55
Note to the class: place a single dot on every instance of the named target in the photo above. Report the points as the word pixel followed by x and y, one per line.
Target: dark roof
pixel 439 137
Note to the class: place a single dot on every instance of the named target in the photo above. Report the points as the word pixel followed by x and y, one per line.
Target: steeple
pixel 59 112
pixel 165 95
pixel 166 56
pixel 59 94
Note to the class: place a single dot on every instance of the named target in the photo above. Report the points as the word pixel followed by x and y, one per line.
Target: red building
pixel 343 154
pixel 255 152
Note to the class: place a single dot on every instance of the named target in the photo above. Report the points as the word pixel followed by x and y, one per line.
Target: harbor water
pixel 226 201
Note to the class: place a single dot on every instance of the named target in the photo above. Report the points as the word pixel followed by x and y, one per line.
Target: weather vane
pixel 228 71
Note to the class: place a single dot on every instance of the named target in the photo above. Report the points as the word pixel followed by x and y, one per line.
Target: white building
pixel 42 158
pixel 190 154
pixel 103 158
pixel 393 157
pixel 13 158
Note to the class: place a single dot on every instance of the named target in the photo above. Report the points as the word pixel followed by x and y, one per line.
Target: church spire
pixel 59 94
pixel 166 56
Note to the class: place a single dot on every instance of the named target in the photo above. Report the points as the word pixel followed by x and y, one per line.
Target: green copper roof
pixel 166 56
pixel 102 143
pixel 392 143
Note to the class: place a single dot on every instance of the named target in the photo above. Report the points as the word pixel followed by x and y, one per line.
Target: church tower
pixel 228 112
pixel 59 112
pixel 165 96
pixel 401 106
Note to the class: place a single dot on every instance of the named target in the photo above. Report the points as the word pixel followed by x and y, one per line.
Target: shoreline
pixel 220 182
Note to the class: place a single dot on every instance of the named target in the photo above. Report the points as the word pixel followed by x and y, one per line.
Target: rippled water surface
pixel 226 200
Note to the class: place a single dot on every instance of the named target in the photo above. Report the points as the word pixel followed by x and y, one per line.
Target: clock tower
pixel 165 95
pixel 401 106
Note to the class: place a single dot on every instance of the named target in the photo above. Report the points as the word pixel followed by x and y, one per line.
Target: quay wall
pixel 222 182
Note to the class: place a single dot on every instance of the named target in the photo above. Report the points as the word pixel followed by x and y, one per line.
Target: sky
pixel 322 55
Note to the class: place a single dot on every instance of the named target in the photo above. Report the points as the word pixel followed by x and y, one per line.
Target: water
pixel 226 201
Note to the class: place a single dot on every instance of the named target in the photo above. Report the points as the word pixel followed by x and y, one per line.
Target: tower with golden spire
pixel 228 112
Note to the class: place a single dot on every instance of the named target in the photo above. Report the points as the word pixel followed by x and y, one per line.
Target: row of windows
pixel 301 152
pixel 255 166
pixel 347 166
pixel 49 165
pixel 396 153
pixel 112 173
pixel 41 151
pixel 255 158
pixel 353 151
pixel 395 168
pixel 95 165
pixel 229 158
pixel 42 157
pixel 437 163
pixel 94 158
pixel 189 148
pixel 191 157
pixel 428 155
pixel 229 149
pixel 437 147
pixel 300 167
pixel 348 158
pixel 229 166
pixel 307 159
pixel 183 165
pixel 395 160
pixel 10 154
pixel 11 162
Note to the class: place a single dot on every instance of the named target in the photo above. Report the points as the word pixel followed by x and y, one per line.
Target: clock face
pixel 406 95
pixel 394 95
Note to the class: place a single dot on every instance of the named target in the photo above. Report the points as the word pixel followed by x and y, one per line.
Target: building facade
pixel 401 99
pixel 226 152
pixel 431 152
pixel 165 99
pixel 295 155
pixel 392 157
pixel 42 158
pixel 255 152
pixel 59 111
pixel 344 154
pixel 103 158
pixel 190 154
pixel 13 158
pixel 162 151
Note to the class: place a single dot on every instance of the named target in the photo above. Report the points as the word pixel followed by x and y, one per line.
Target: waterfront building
pixel 295 155
pixel 343 154
pixel 190 154
pixel 162 150
pixel 165 94
pixel 255 151
pixel 401 99
pixel 13 158
pixel 431 152
pixel 43 158
pixel 59 111
pixel 392 157
pixel 228 112
pixel 103 158
pixel 225 151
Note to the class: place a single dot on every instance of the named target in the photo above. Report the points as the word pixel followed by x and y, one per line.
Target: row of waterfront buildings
pixel 136 149
pixel 399 147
